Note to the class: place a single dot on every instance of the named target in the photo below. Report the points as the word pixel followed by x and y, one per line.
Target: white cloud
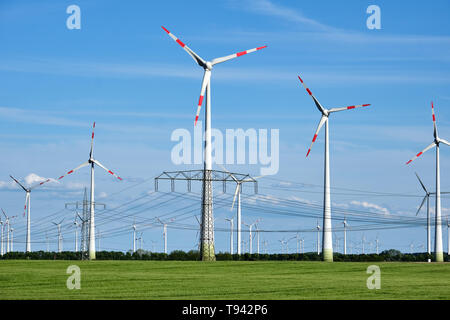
pixel 369 205
pixel 267 7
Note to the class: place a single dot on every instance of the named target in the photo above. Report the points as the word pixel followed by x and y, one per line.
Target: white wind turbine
pixel 327 241
pixel 134 236
pixel 250 226
pixel 427 198
pixel 76 224
pixel 164 232
pixel 27 208
pixel 8 230
pixel 231 220
pixel 58 225
pixel 345 235
pixel 1 246
pixel 91 162
pixel 438 250
pixel 207 236
pixel 318 237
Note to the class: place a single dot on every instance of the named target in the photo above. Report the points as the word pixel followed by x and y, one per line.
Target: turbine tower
pixel 134 236
pixel 164 233
pixel 1 245
pixel 231 234
pixel 345 235
pixel 318 237
pixel 27 208
pixel 207 233
pixel 91 162
pixel 438 250
pixel 76 224
pixel 327 241
pixel 58 225
pixel 250 226
pixel 12 239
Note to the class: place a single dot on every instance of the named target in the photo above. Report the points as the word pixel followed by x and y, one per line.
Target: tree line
pixel 193 255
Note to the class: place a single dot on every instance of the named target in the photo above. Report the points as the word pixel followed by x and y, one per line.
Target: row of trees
pixel 387 255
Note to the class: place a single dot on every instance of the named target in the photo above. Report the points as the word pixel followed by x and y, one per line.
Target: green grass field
pixel 41 279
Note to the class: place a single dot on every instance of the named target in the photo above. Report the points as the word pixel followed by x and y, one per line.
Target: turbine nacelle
pixel 208 66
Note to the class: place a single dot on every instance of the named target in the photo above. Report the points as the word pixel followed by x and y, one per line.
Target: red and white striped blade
pixel 92 140
pixel 348 108
pixel 39 184
pixel 73 170
pixel 106 169
pixel 205 82
pixel 317 103
pixel 26 203
pixel 434 120
pixel 235 55
pixel 321 123
pixel 422 152
pixel 18 182
pixel 194 56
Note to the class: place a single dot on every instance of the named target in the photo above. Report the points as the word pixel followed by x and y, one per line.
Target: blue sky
pixel 123 71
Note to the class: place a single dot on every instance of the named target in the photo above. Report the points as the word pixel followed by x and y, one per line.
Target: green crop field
pixel 43 279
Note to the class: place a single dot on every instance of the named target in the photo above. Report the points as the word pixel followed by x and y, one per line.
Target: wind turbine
pixel 1 246
pixel 231 234
pixel 237 195
pixel 27 208
pixel 76 224
pixel 283 242
pixel 91 162
pixel 345 234
pixel 448 237
pixel 438 250
pixel 250 226
pixel 318 237
pixel 327 242
pixel 164 233
pixel 8 227
pixel 58 225
pixel 12 239
pixel 134 236
pixel 207 236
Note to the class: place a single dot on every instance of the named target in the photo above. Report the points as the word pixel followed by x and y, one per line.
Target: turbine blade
pixel 39 184
pixel 235 55
pixel 348 108
pixel 434 120
pixel 421 183
pixel 444 141
pixel 235 195
pixel 321 122
pixel 194 56
pixel 423 201
pixel 106 169
pixel 71 171
pixel 205 82
pixel 18 183
pixel 422 152
pixel 26 204
pixel 231 175
pixel 318 105
pixel 92 141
